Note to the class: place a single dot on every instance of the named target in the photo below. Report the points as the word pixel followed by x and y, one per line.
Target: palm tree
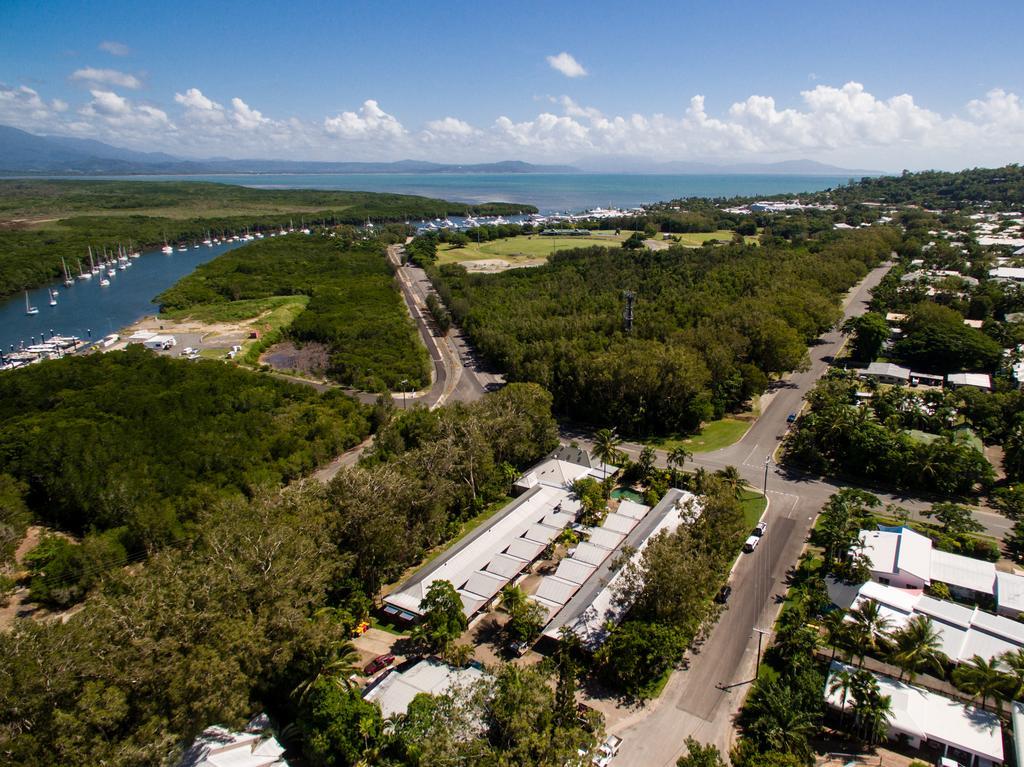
pixel 778 722
pixel 700 480
pixel 677 458
pixel 837 630
pixel 872 710
pixel 1013 662
pixel 869 627
pixel 606 447
pixel 841 682
pixel 980 678
pixel 337 663
pixel 915 645
pixel 730 475
pixel 512 598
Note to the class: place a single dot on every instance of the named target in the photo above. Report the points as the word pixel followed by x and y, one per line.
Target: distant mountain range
pixel 23 153
pixel 783 168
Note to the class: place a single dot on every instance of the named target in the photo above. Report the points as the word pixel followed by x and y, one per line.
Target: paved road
pixel 702 700
pixel 456 373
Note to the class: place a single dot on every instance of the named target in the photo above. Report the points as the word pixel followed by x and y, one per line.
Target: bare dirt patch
pixel 17 605
pixel 310 359
pixel 499 264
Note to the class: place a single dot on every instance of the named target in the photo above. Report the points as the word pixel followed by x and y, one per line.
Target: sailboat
pixel 68 282
pixel 53 297
pixel 104 282
pixel 92 265
pixel 166 248
pixel 82 274
pixel 29 309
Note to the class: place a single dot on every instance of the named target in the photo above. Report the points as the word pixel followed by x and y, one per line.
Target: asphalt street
pixel 702 699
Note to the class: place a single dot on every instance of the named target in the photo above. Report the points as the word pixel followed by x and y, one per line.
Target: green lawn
pixel 713 436
pixel 525 247
pixel 696 239
pixel 530 247
pixel 753 504
pixel 237 311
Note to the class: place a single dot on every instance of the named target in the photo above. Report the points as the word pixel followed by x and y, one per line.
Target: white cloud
pixel 567 65
pixel 199 108
pixel 370 122
pixel 107 77
pixel 998 108
pixel 114 48
pixel 23 108
pixel 107 104
pixel 843 124
pixel 450 127
pixel 118 114
pixel 245 117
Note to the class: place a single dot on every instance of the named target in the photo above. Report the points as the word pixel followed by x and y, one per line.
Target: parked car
pixel 606 751
pixel 790 418
pixel 760 529
pixel 751 543
pixel 723 594
pixel 379 663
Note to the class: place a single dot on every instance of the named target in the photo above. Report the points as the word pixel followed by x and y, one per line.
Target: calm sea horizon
pixel 550 192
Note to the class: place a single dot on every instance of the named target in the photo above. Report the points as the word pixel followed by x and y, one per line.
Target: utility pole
pixel 757 668
pixel 405 384
pixel 767 462
pixel 627 314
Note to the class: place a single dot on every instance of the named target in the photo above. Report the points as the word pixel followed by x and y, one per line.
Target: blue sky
pixel 877 85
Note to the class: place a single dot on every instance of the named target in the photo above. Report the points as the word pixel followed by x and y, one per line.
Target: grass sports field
pixel 524 248
pixel 529 249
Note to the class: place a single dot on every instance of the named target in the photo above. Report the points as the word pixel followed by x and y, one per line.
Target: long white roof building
pixel 963 631
pixel 922 715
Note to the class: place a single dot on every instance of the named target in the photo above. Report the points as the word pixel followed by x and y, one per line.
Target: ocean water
pixel 89 311
pixel 551 192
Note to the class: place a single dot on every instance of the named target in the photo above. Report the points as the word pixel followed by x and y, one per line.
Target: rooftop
pixel 886 369
pixel 927 715
pixel 593 607
pixel 481 561
pixel 219 747
pixel 963 631
pixel 395 691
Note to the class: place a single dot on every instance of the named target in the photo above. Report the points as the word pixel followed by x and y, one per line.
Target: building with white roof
pixel 900 557
pixel 975 380
pixel 592 607
pixel 1007 273
pixel 963 631
pixel 220 747
pixel 1010 594
pixel 886 372
pixel 496 553
pixel 927 718
pixel 396 689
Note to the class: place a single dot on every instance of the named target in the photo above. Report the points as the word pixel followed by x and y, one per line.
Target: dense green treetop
pixel 130 446
pixel 355 308
pixel 710 324
pixel 939 189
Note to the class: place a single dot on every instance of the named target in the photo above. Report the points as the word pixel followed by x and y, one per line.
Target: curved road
pixel 455 374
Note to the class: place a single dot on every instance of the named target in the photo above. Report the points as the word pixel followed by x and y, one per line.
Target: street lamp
pixel 767 463
pixel 757 668
pixel 404 384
